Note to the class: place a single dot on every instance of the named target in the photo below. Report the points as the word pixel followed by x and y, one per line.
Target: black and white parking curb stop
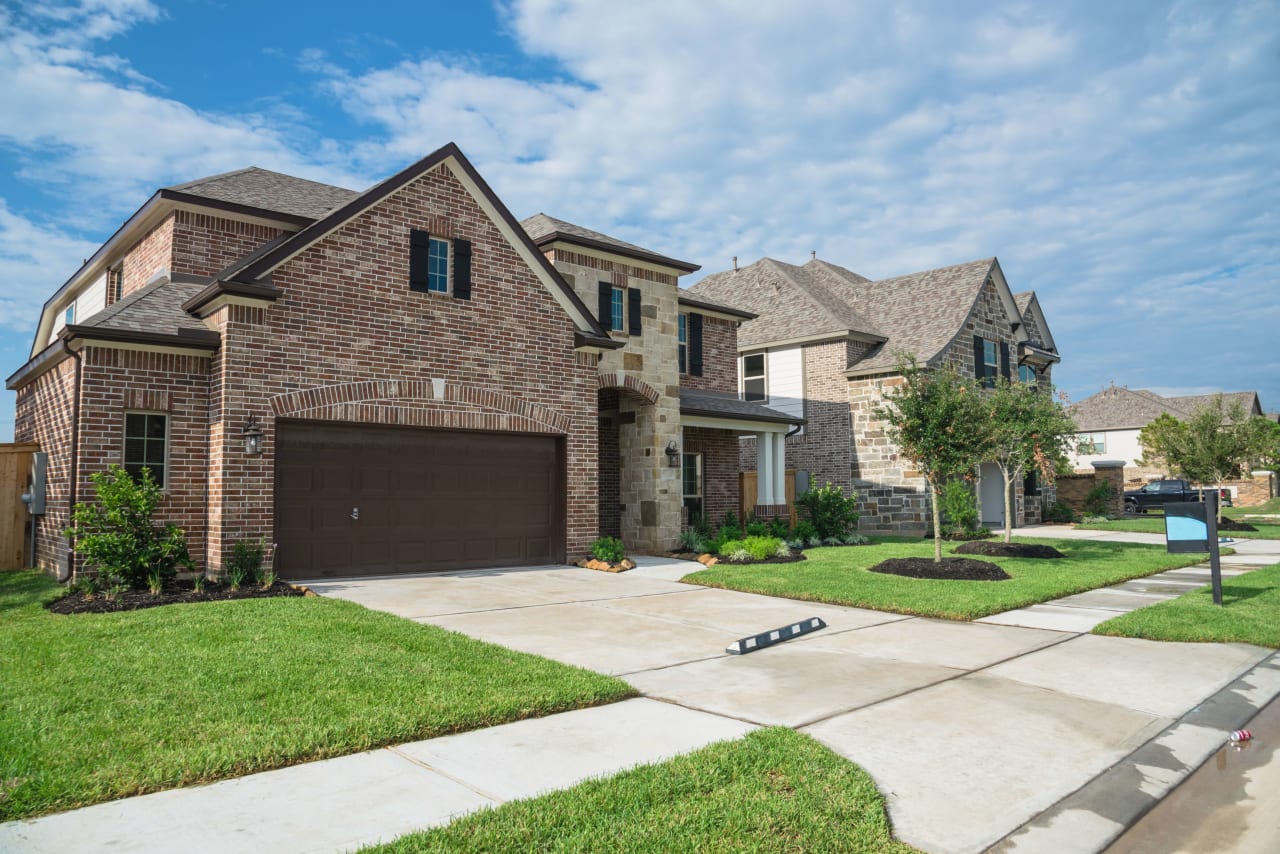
pixel 760 641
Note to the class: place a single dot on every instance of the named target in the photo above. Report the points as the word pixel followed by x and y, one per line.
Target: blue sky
pixel 1121 159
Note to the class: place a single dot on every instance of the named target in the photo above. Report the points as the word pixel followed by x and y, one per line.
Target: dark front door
pixel 360 500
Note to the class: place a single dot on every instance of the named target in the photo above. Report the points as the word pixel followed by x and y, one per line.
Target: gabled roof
pixel 1029 307
pixel 272 191
pixel 792 303
pixel 543 230
pixel 719 404
pixel 1120 408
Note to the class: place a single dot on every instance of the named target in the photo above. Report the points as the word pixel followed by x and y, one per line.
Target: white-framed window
pixel 755 383
pixel 69 316
pixel 1088 444
pixel 691 483
pixel 684 343
pixel 146 444
pixel 438 266
pixel 617 309
pixel 1027 374
pixel 990 363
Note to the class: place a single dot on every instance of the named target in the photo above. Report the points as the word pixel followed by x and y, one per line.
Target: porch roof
pixel 727 407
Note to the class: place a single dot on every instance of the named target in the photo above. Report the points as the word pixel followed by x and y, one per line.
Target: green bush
pixel 730 520
pixel 729 532
pixel 959 507
pixel 756 528
pixel 692 540
pixel 609 550
pixel 830 511
pixel 780 527
pixel 804 532
pixel 116 537
pixel 700 523
pixel 1097 501
pixel 245 564
pixel 757 548
pixel 1057 512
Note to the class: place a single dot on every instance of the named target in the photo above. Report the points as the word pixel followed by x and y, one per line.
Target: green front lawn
pixel 97 707
pixel 1271 506
pixel 840 576
pixel 1154 524
pixel 1250 613
pixel 775 790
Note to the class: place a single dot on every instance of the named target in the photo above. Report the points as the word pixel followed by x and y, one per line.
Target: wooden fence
pixel 747 484
pixel 15 469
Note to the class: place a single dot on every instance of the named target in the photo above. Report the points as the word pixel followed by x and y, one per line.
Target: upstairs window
pixel 1090 444
pixel 755 384
pixel 437 266
pixel 146 444
pixel 115 285
pixel 69 316
pixel 990 363
pixel 684 343
pixel 1027 374
pixel 617 309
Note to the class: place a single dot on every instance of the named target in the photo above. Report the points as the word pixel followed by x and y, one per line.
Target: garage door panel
pixel 430 500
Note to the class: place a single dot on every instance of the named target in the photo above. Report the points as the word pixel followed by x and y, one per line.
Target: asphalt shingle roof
pixel 154 308
pixel 1120 408
pixel 273 191
pixel 699 402
pixel 539 227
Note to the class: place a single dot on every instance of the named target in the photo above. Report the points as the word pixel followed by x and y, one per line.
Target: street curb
pixel 1096 814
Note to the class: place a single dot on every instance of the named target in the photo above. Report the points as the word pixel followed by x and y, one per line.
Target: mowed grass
pixel 775 790
pixel 97 707
pixel 1270 506
pixel 1154 524
pixel 1250 613
pixel 840 576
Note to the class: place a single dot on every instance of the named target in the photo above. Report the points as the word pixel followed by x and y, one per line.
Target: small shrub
pixel 155 581
pixel 814 541
pixel 692 540
pixel 609 550
pixel 783 550
pixel 833 541
pixel 197 583
pixel 87 585
pixel 780 528
pixel 959 506
pixel 730 520
pixel 1094 519
pixel 739 555
pixel 796 545
pixel 756 528
pixel 755 548
pixel 856 539
pixel 1098 500
pixel 116 536
pixel 700 523
pixel 245 564
pixel 830 511
pixel 729 532
pixel 804 531
pixel 1057 512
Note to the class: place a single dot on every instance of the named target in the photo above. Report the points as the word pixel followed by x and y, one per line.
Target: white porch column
pixel 764 468
pixel 779 468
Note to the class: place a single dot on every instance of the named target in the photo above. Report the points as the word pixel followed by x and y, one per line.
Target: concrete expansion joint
pixel 395 749
pixel 549 604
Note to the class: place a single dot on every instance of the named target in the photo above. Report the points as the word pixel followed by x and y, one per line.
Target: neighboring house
pixel 398 380
pixel 1111 420
pixel 827 341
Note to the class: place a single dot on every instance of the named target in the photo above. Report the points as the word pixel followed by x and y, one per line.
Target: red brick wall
pixel 203 245
pixel 719 357
pixel 150 255
pixel 118 381
pixel 610 465
pixel 719 449
pixel 43 415
pixel 347 315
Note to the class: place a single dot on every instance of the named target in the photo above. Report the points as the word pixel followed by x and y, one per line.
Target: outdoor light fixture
pixel 252 436
pixel 673 454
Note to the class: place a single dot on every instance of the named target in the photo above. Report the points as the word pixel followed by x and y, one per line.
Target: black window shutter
pixel 633 311
pixel 1004 361
pixel 419 249
pixel 693 334
pixel 979 358
pixel 606 305
pixel 462 269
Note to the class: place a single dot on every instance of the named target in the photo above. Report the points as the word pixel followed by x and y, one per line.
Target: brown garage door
pixel 358 500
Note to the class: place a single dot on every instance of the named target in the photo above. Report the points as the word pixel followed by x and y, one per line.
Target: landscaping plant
pixel 959 507
pixel 751 548
pixel 245 564
pixel 831 513
pixel 609 550
pixel 692 540
pixel 1098 500
pixel 117 538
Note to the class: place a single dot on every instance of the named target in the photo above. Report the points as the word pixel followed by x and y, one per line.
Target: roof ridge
pixel 196 182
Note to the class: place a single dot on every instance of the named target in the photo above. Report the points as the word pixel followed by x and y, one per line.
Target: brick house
pixel 826 343
pixel 398 380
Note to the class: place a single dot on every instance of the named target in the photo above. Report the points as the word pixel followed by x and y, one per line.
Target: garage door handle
pixel 355 512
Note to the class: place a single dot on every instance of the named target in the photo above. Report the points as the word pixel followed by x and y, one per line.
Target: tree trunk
pixel 1008 503
pixel 937 523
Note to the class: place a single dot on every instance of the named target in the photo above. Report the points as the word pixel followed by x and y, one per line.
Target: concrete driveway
pixel 977 734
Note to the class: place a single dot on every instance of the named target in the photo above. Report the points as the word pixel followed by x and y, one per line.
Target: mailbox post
pixel 1193 527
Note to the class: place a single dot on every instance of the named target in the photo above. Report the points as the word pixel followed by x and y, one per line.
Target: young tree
pixel 1026 429
pixel 935 419
pixel 1215 444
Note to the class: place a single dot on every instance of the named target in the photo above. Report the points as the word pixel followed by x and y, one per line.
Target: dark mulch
pixel 1226 523
pixel 965 536
pixel 989 549
pixel 795 557
pixel 174 593
pixel 951 569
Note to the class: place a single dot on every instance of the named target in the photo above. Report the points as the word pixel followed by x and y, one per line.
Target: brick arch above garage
pixel 420 403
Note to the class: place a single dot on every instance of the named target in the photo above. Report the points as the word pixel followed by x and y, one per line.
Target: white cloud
pixel 28 251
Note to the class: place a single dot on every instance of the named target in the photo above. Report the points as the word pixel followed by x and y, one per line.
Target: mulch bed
pixel 990 549
pixel 965 536
pixel 951 569
pixel 795 557
pixel 174 593
pixel 1226 523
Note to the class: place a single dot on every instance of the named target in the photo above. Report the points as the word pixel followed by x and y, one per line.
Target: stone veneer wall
pixel 649 492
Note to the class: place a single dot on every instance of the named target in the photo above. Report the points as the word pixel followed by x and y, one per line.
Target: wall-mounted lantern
pixel 252 437
pixel 673 455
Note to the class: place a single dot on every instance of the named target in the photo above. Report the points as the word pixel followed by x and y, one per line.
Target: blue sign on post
pixel 1193 527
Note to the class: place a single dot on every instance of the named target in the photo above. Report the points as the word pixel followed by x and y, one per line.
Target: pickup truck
pixel 1158 493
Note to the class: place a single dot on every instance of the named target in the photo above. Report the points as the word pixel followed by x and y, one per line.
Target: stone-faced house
pixel 826 342
pixel 398 380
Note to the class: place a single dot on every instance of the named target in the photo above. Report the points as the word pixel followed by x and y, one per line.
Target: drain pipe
pixel 75 459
